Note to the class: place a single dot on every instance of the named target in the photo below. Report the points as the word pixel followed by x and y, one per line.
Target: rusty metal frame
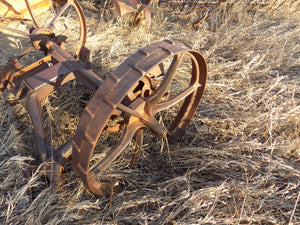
pixel 32 83
pixel 131 91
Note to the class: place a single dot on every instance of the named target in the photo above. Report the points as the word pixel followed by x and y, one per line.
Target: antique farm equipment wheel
pixel 55 29
pixel 164 77
pixel 141 112
pixel 60 64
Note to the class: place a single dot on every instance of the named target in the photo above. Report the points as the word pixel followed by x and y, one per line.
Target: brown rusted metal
pixel 140 8
pixel 127 102
pixel 32 83
pixel 142 13
pixel 140 114
pixel 18 9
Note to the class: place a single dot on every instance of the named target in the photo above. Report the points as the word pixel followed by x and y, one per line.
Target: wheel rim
pixel 140 113
pixel 50 28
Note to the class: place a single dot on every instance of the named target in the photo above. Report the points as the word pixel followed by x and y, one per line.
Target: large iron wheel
pixel 55 29
pixel 159 62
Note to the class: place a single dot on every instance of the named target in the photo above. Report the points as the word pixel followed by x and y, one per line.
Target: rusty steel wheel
pixel 57 28
pixel 63 37
pixel 147 76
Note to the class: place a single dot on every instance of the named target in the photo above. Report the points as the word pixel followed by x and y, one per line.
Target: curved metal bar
pixel 129 132
pixel 104 188
pixel 193 85
pixel 31 14
pixel 82 21
pixel 61 11
pixel 83 29
pixel 154 99
pixel 169 103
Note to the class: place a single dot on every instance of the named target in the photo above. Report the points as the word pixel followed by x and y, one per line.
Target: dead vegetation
pixel 239 162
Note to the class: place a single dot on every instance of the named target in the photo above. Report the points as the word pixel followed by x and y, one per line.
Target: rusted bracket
pixel 134 94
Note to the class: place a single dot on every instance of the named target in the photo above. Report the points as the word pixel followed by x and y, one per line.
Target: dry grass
pixel 240 160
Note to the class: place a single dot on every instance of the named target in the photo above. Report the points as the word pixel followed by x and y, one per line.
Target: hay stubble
pixel 239 162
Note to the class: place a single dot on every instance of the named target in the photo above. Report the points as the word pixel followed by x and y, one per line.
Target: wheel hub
pixel 40 36
pixel 143 114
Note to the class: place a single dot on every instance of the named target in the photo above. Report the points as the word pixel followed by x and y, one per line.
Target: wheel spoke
pixel 61 11
pixel 81 19
pixel 173 101
pixel 15 31
pixel 130 111
pixel 31 14
pixel 77 43
pixel 114 153
pixel 167 80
